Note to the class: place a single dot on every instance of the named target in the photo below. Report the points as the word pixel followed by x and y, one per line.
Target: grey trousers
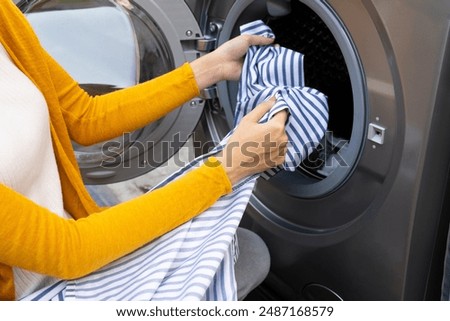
pixel 253 263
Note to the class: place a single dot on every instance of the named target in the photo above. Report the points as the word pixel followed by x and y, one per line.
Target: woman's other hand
pixel 255 147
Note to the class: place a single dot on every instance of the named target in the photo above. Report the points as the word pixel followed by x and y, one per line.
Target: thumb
pixel 281 116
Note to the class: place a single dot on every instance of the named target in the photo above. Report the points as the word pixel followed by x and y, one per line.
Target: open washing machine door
pixel 106 45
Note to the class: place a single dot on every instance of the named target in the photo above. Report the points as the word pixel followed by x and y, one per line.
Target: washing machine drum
pixel 106 46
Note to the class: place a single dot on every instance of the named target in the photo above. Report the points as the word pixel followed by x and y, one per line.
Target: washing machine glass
pixel 107 45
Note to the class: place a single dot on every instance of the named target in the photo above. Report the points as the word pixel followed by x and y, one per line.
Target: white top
pixel 27 160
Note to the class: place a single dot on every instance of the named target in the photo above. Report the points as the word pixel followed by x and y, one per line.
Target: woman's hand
pixel 225 63
pixel 255 147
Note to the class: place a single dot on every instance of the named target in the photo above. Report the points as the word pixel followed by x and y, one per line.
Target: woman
pixel 50 228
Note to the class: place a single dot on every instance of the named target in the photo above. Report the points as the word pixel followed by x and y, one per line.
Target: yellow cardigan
pixel 33 238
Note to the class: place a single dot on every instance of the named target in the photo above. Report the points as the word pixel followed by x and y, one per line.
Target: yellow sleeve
pixel 35 239
pixel 92 119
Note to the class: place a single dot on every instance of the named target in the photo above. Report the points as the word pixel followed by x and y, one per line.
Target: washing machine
pixel 366 215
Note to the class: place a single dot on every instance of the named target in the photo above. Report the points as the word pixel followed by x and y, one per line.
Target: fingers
pixel 254 40
pixel 256 114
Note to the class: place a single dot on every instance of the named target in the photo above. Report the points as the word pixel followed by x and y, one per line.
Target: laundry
pixel 276 71
pixel 196 260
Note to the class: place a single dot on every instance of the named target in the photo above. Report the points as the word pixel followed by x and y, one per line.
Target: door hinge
pixel 209 42
pixel 209 93
pixel 206 44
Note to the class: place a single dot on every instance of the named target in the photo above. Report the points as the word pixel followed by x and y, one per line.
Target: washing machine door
pixel 106 45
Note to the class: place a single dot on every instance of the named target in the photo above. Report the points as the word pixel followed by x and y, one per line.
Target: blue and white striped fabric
pixel 276 71
pixel 196 260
